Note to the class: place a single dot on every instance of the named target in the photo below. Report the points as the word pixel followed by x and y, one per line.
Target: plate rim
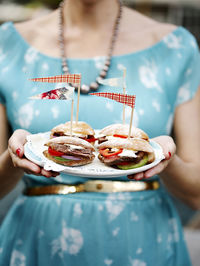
pixel 78 170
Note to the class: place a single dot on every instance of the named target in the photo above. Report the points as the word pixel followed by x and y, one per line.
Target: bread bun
pixel 79 127
pixel 70 140
pixel 69 151
pixel 123 129
pixel 135 144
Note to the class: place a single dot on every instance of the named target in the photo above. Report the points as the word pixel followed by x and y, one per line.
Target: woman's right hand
pixel 16 151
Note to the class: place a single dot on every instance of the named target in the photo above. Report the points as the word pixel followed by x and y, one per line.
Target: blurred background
pixel 184 13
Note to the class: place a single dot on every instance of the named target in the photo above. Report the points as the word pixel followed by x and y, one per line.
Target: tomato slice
pixel 55 153
pixel 120 136
pixel 108 153
pixel 91 140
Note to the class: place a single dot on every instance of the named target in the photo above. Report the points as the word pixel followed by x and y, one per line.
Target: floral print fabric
pixel 136 229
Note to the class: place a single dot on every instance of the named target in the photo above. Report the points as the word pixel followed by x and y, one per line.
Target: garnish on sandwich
pixel 80 129
pixel 126 154
pixel 69 151
pixel 120 131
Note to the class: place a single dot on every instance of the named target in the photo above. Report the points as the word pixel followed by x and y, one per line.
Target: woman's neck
pixel 93 14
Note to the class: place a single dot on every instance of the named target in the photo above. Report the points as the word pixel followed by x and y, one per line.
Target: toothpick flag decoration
pixel 65 93
pixel 118 97
pixel 121 98
pixel 68 78
pixel 115 82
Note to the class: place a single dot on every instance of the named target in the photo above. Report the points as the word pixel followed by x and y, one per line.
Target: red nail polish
pixel 169 153
pixel 18 151
pixel 138 179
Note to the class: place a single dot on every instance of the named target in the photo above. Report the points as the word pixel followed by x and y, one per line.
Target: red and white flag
pixel 66 78
pixel 118 97
pixel 65 93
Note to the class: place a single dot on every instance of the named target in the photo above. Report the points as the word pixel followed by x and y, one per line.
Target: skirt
pixel 92 228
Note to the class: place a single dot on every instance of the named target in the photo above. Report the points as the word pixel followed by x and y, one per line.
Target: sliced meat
pixel 102 139
pixel 67 150
pixel 117 159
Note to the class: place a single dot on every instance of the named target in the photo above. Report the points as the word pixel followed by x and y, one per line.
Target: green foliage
pixel 35 3
pixel 51 3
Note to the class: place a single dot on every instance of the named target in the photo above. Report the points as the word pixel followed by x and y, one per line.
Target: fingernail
pixel 170 155
pixel 18 151
pixel 141 176
pixel 138 179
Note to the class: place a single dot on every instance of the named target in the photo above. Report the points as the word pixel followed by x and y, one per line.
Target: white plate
pixel 34 148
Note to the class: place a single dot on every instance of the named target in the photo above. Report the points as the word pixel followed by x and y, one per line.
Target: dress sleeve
pixel 2 100
pixel 2 56
pixel 4 50
pixel 190 73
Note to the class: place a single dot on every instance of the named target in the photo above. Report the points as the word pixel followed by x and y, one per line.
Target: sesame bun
pixel 135 144
pixel 70 140
pixel 123 129
pixel 79 127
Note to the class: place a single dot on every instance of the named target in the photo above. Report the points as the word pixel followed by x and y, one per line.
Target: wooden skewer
pixel 124 91
pixel 78 99
pixel 131 121
pixel 71 125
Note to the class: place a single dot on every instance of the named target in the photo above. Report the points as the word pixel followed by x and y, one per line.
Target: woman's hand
pixel 169 149
pixel 16 151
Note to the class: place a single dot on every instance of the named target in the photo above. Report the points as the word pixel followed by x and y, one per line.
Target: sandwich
pixel 121 131
pixel 80 129
pixel 69 151
pixel 126 153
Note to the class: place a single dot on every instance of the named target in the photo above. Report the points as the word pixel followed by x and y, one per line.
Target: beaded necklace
pixel 65 69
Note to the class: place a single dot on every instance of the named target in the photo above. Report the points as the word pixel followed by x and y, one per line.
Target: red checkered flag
pixel 121 98
pixel 66 78
pixel 118 97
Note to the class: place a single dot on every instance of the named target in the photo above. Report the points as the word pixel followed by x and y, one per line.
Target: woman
pixel 98 228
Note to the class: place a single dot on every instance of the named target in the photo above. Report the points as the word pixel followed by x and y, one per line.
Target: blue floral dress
pixel 87 229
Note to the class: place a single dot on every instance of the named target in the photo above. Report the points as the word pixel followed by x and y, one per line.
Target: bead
pixel 65 69
pixel 94 86
pixel 103 74
pixel 98 79
pixel 105 68
pixel 107 63
pixel 85 88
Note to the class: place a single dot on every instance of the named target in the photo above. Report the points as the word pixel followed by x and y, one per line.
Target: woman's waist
pixel 32 180
pixel 93 188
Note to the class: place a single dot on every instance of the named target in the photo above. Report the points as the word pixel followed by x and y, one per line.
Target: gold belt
pixel 93 186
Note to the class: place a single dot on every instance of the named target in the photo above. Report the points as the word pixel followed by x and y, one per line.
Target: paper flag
pixel 116 82
pixel 118 97
pixel 68 78
pixel 65 93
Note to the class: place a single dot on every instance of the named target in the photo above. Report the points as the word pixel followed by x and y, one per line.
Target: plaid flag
pixel 118 97
pixel 65 93
pixel 68 78
pixel 115 82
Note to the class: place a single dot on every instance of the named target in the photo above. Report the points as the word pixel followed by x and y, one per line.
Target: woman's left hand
pixel 169 149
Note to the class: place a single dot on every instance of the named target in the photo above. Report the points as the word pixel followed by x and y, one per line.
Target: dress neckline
pixel 117 57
